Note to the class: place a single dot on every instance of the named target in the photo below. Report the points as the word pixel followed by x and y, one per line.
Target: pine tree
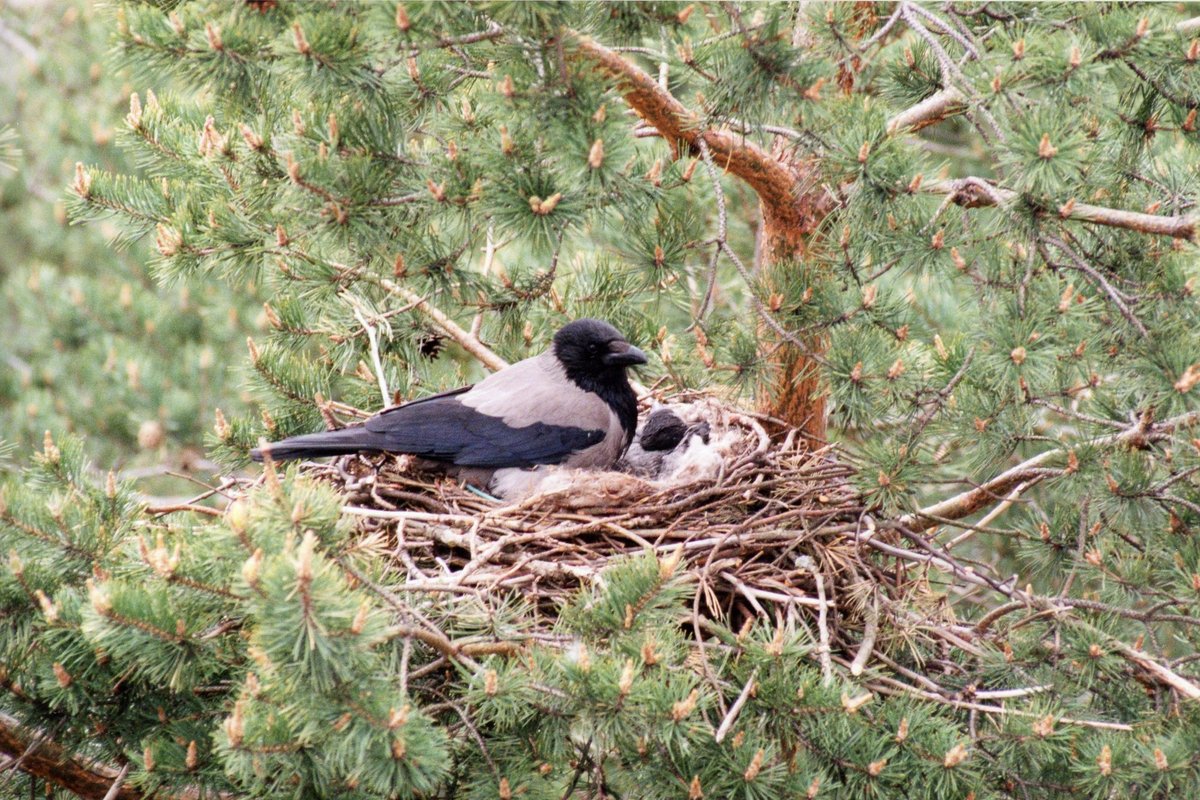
pixel 955 240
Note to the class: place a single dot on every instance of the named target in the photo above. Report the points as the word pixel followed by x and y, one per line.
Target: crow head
pixel 592 349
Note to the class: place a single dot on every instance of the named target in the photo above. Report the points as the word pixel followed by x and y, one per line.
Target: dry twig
pixel 476 348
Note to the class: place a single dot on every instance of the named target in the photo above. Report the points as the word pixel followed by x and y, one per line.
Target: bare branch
pixel 948 29
pixel 369 326
pixel 19 43
pixel 476 348
pixel 1117 297
pixel 950 101
pixel 1000 710
pixel 1172 679
pixel 951 73
pixel 1188 25
pixel 113 790
pixel 731 717
pixel 883 31
pixel 934 108
pixel 991 516
pixel 967 192
pixel 968 502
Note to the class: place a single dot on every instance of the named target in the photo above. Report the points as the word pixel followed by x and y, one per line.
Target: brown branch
pixel 792 207
pixel 771 180
pixel 50 762
pixel 967 192
pixel 87 779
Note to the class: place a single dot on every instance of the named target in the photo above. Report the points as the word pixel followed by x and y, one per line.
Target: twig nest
pixel 763 525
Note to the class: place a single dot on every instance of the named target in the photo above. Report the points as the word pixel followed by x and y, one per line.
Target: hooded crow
pixel 571 405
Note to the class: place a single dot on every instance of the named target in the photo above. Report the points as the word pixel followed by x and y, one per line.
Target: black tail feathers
pixel 319 445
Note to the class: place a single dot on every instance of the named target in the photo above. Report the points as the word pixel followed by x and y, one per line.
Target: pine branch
pixel 774 183
pixel 976 192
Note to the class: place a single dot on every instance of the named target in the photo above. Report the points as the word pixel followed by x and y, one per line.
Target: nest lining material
pixel 759 521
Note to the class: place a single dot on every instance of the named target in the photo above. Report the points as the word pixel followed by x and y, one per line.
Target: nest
pixel 756 519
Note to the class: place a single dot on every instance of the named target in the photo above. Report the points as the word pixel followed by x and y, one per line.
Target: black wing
pixel 442 428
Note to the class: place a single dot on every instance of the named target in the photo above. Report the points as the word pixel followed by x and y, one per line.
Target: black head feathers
pixel 595 355
pixel 594 347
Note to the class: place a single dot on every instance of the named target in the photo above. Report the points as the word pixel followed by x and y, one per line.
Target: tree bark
pixel 48 761
pixel 791 389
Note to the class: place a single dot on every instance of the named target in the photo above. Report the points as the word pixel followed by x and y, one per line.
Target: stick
pixel 992 709
pixel 967 192
pixel 482 353
pixel 111 794
pixel 736 708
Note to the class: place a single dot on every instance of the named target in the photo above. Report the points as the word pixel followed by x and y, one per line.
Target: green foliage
pixel 998 286
pixel 255 656
pixel 91 343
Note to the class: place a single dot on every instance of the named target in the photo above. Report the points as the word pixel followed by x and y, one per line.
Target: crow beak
pixel 623 354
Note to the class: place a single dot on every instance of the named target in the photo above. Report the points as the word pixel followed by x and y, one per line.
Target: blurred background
pixel 91 344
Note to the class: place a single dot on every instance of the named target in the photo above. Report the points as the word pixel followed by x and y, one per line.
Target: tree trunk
pixel 790 388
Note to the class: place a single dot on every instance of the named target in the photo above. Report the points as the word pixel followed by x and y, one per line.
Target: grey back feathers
pixel 544 395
